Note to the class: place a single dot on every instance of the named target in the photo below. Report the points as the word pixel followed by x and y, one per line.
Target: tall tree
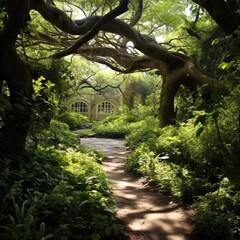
pixel 175 68
pixel 110 47
pixel 13 71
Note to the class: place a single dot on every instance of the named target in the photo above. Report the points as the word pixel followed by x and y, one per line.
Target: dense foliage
pixel 74 120
pixel 62 193
pixel 195 162
pixel 113 126
pixel 194 157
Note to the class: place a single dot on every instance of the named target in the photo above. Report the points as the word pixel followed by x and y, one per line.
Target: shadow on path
pixel 147 214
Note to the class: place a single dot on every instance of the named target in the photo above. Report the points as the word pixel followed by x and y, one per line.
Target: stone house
pixel 95 106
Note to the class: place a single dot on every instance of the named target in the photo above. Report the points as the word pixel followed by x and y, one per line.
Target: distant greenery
pixel 74 120
pixel 61 193
pixel 114 126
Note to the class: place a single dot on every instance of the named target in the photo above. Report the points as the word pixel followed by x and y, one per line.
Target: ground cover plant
pixel 192 47
pixel 192 169
pixel 62 193
pixel 188 162
pixel 114 126
pixel 74 120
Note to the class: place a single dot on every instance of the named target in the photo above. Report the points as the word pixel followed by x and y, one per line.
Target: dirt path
pixel 146 214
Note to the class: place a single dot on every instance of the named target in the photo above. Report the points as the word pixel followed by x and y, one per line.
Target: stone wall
pixel 95 107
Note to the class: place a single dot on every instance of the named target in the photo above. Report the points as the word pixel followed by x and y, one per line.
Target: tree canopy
pixel 100 31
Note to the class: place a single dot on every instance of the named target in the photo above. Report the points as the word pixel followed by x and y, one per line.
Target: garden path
pixel 146 214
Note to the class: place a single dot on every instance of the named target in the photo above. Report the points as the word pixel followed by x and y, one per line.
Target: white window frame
pixel 80 107
pixel 106 107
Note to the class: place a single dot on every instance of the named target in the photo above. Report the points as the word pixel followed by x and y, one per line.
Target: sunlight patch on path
pixel 147 214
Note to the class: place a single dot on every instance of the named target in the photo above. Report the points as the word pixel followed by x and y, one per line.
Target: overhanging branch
pixel 120 9
pixel 138 13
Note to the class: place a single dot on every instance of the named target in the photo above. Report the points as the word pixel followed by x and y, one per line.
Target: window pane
pixel 105 107
pixel 79 107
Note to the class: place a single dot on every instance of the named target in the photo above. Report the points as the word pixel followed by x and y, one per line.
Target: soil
pixel 145 213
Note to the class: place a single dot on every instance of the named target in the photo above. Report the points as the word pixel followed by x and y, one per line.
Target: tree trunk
pixel 166 112
pixel 225 13
pixel 188 76
pixel 17 118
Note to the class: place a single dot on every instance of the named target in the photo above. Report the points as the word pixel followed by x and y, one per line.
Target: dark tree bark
pixel 224 12
pixel 13 71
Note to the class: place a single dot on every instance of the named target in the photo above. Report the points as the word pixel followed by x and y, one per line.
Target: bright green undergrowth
pixel 192 169
pixel 74 120
pixel 218 214
pixel 195 162
pixel 59 192
pixel 114 126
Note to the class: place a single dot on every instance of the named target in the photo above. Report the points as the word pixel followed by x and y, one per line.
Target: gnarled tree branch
pixel 176 68
pixel 121 8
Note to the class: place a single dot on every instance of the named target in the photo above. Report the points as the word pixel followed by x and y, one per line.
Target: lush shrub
pixel 133 163
pixel 57 193
pixel 218 214
pixel 169 145
pixel 111 130
pixel 110 118
pixel 173 157
pixel 146 131
pixel 114 127
pixel 58 134
pixel 171 179
pixel 144 111
pixel 74 120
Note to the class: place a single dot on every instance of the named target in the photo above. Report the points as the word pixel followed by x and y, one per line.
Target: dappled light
pixel 152 87
pixel 139 206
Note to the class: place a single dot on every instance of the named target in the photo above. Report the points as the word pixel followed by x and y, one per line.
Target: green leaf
pixel 215 115
pixel 215 41
pixel 225 65
pixel 216 96
pixel 83 203
pixel 199 131
pixel 47 237
pixel 42 229
pixel 49 84
pixel 200 119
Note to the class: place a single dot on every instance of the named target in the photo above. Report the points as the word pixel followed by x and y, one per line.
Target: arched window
pixel 105 107
pixel 80 107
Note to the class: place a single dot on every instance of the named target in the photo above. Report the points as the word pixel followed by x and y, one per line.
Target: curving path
pixel 146 214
